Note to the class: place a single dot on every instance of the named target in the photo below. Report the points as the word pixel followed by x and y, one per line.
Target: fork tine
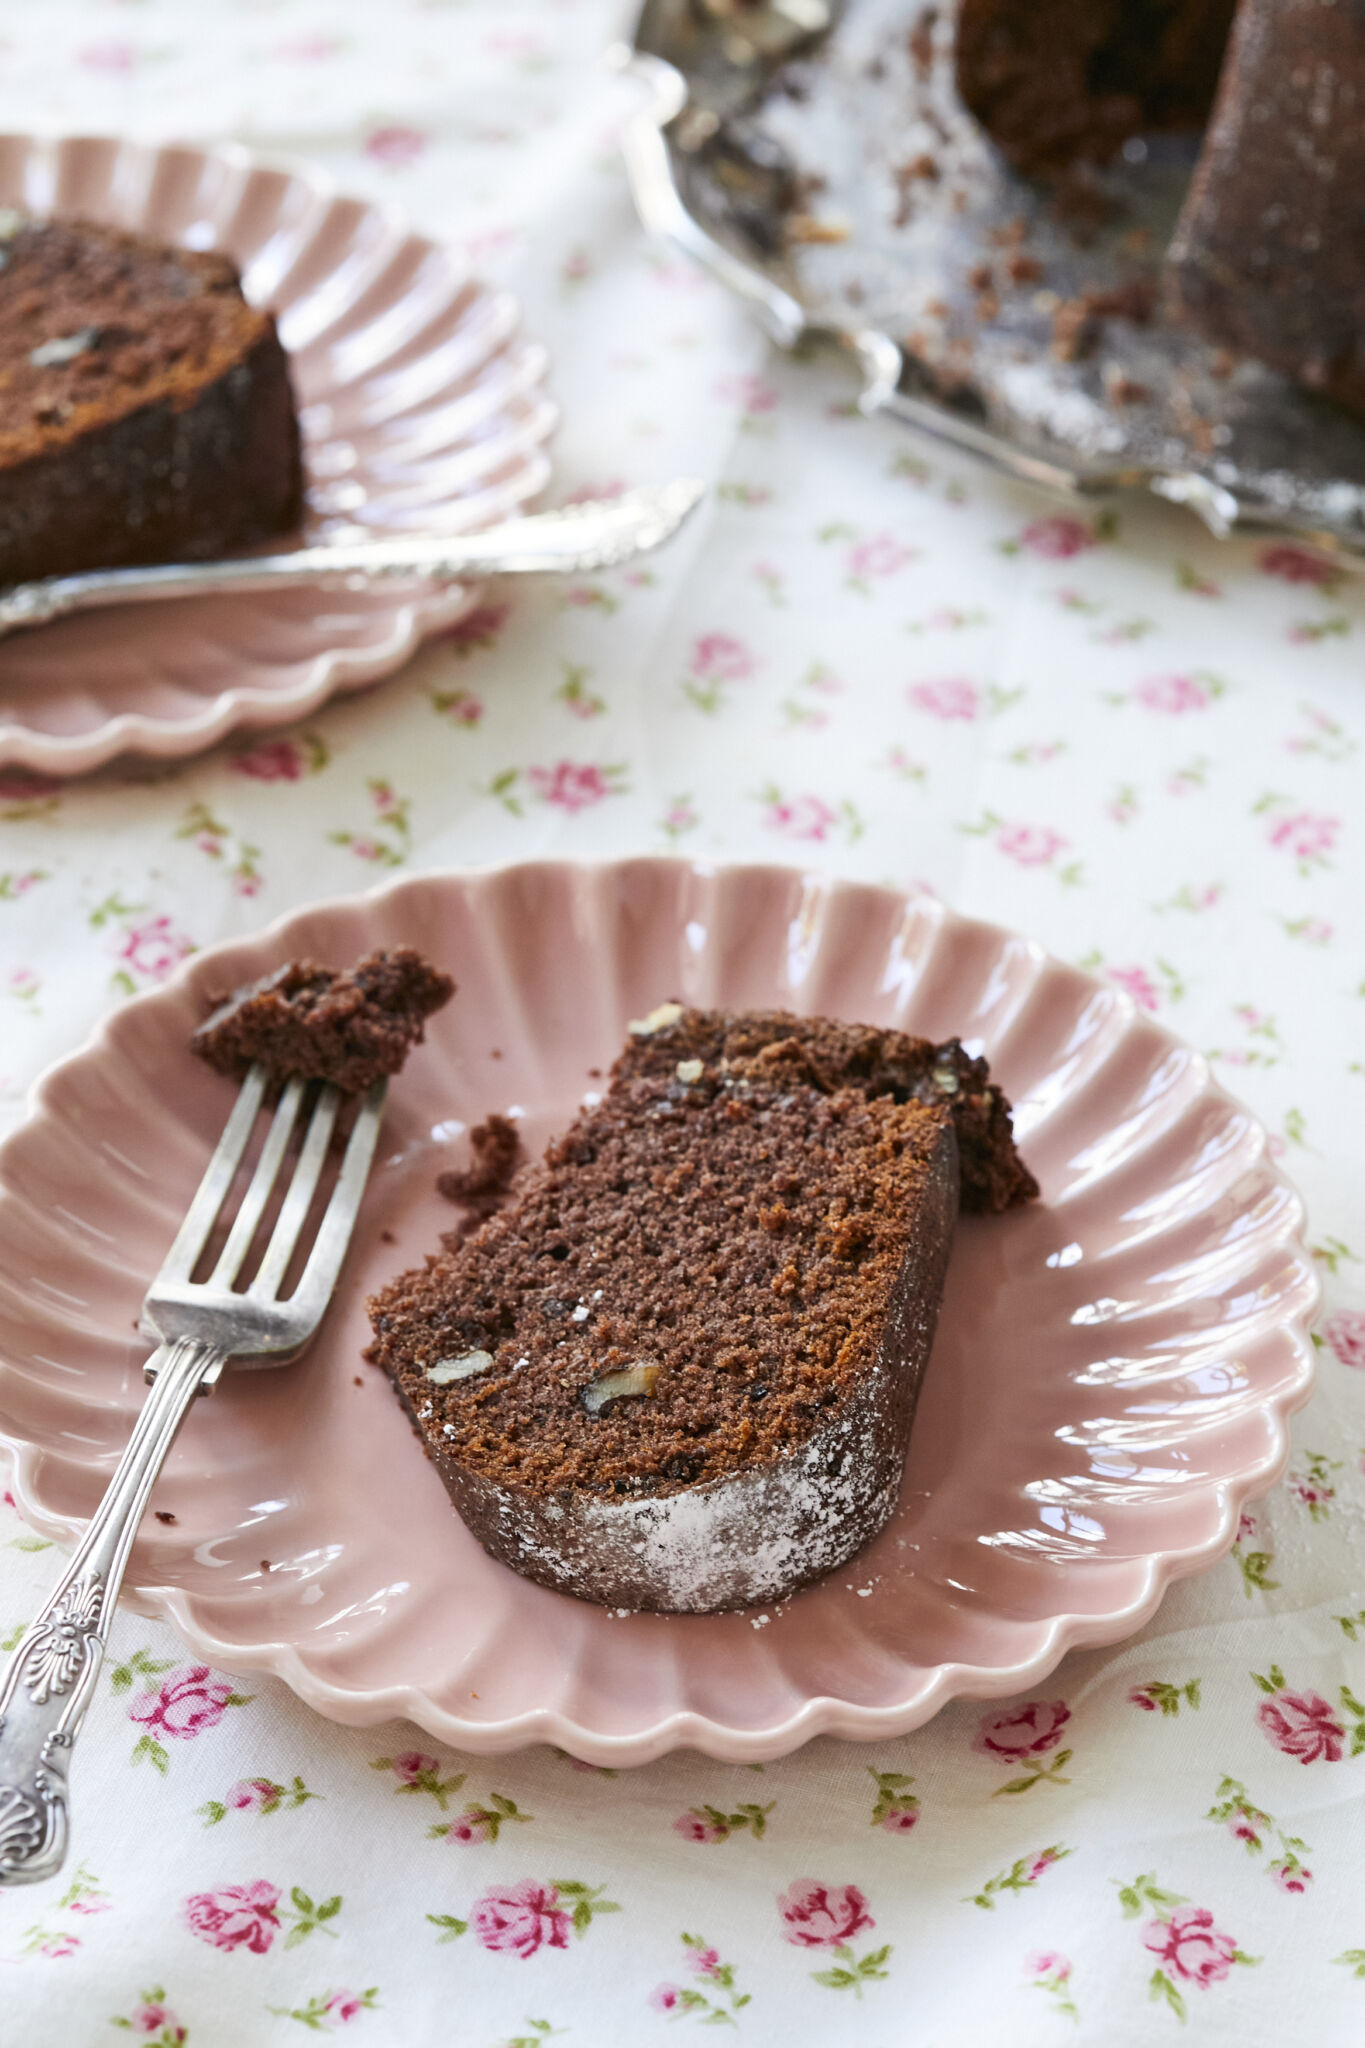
pixel 219 1174
pixel 294 1209
pixel 334 1231
pixel 244 1223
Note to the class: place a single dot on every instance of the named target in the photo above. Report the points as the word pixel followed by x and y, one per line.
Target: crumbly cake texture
pixel 145 408
pixel 1269 253
pixel 678 1371
pixel 481 1187
pixel 1055 82
pixel 876 1062
pixel 327 1024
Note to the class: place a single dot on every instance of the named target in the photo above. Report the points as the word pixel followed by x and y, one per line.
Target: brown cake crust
pixel 1268 257
pixel 347 1027
pixel 145 409
pixel 769 1254
pixel 1056 82
pixel 878 1062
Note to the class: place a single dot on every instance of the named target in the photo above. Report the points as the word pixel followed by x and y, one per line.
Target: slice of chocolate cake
pixel 678 1371
pixel 324 1024
pixel 876 1062
pixel 1269 253
pixel 145 407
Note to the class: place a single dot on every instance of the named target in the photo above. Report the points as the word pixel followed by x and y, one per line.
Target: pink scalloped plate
pixel 422 407
pixel 1112 1377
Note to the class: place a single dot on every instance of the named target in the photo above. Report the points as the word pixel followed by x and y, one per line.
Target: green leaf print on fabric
pixel 1325 736
pixel 1253 1561
pixel 480 1823
pixel 1021 1876
pixel 685 2001
pixel 257 1795
pixel 417 1772
pixel 1354 1959
pixel 1193 580
pixel 329 2009
pixel 806 816
pixel 541 2031
pixel 388 842
pixel 896 1808
pixel 1158 1696
pixel 309 1918
pixel 574 694
pixel 713 1824
pixel 1310 1483
pixel 851 1972
pixel 589 597
pixel 240 860
pixel 460 706
pixel 1250 1825
pixel 1050 1973
pixel 680 817
pixel 152 2020
pixel 13 884
pixel 82 1899
pixel 451 1928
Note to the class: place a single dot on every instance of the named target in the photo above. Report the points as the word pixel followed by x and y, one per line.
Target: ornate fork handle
pixel 51 1679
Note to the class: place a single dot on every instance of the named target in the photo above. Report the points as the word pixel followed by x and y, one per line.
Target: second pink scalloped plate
pixel 422 408
pixel 1112 1376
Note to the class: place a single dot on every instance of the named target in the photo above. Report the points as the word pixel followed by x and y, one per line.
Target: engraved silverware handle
pixel 599 534
pixel 51 1679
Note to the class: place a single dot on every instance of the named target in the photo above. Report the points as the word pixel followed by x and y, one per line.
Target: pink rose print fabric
pixel 519 1919
pixel 1020 1732
pixel 821 1916
pixel 187 1703
pixel 1190 1946
pixel 236 1916
pixel 1302 1726
pixel 1139 747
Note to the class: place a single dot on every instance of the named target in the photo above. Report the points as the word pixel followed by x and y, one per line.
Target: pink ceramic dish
pixel 421 404
pixel 1112 1376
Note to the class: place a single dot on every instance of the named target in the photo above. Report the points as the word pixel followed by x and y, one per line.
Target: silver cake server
pixel 600 534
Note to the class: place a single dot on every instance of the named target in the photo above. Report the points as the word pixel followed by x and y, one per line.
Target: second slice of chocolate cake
pixel 678 1372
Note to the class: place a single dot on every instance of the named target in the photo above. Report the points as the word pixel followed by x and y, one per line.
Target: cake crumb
pixel 164 1515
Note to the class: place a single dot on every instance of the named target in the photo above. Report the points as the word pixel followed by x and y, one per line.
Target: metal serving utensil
pixel 600 534
pixel 202 1326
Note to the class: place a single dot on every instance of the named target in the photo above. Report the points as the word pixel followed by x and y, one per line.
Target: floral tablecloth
pixel 1138 744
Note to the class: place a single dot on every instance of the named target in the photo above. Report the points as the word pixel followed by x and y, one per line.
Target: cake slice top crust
pixel 700 1268
pixel 325 1024
pixel 830 1055
pixel 95 324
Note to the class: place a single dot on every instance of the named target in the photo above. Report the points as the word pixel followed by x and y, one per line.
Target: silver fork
pixel 200 1325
